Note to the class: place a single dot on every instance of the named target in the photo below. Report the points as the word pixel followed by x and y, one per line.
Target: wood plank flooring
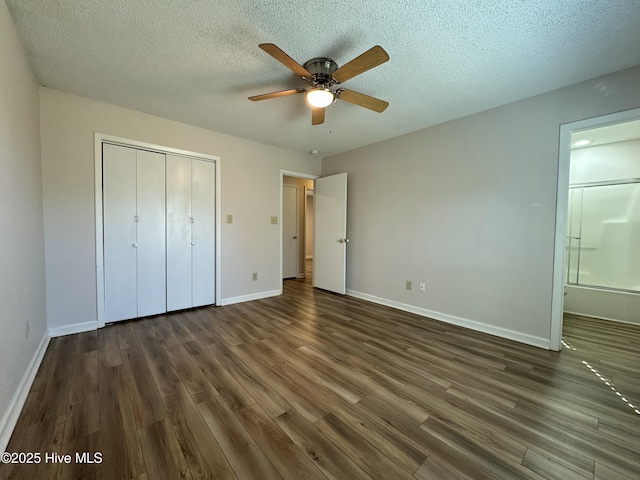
pixel 311 385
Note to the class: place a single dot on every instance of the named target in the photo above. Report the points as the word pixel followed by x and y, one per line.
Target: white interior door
pixel 179 286
pixel 119 227
pixel 330 250
pixel 150 222
pixel 289 231
pixel 203 203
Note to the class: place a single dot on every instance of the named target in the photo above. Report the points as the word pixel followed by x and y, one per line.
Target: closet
pixel 158 232
pixel 190 232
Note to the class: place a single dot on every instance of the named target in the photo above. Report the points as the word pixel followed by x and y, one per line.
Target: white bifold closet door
pixel 134 232
pixel 190 232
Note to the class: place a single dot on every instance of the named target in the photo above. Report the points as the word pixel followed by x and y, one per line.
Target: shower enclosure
pixel 603 235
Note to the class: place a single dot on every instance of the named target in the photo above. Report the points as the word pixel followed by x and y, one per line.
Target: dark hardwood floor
pixel 311 385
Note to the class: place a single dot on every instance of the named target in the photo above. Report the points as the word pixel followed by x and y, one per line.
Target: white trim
pixel 250 297
pixel 11 415
pixel 99 139
pixel 462 322
pixel 562 205
pixel 73 328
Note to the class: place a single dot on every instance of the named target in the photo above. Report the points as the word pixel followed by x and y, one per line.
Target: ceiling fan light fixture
pixel 320 97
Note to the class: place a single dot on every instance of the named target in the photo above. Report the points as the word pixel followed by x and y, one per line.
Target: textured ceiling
pixel 197 61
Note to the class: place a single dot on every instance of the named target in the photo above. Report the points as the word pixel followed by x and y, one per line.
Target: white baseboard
pixel 462 322
pixel 248 298
pixel 73 328
pixel 11 415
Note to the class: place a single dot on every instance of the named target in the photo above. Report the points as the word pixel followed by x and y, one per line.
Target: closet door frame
pixel 99 140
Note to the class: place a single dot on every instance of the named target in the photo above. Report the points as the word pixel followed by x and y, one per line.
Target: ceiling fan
pixel 323 73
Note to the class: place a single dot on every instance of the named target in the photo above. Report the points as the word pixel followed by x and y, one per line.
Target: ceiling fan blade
pixel 371 58
pixel 282 93
pixel 317 116
pixel 363 100
pixel 285 59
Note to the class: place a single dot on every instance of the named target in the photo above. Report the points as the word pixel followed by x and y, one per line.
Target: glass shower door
pixel 603 240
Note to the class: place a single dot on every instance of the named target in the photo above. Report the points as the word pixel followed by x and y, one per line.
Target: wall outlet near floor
pixel 409 285
pixel 274 220
pixel 254 276
pixel 423 287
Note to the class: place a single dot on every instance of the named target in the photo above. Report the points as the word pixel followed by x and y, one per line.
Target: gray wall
pixel 22 289
pixel 469 207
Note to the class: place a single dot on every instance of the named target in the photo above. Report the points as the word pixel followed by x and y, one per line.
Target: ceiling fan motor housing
pixel 322 69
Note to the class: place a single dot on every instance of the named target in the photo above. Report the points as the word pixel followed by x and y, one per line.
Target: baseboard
pixel 248 298
pixel 462 322
pixel 10 417
pixel 73 328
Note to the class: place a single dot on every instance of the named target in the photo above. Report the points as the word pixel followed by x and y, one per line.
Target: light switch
pixel 229 218
pixel 274 220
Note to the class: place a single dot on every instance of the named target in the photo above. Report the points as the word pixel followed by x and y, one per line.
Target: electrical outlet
pixel 409 285
pixel 274 220
pixel 423 287
pixel 254 276
pixel 27 330
pixel 229 218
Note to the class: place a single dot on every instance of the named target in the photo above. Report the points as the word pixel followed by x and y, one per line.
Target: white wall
pixel 22 288
pixel 600 163
pixel 469 208
pixel 250 177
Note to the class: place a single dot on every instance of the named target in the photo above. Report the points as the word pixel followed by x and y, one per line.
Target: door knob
pixel 193 243
pixel 134 245
pixel 343 240
pixel 295 238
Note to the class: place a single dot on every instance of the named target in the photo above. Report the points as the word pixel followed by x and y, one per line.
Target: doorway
pixel 616 132
pixel 297 225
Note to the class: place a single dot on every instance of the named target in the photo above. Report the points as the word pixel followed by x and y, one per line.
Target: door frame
pixel 99 139
pixel 288 173
pixel 562 205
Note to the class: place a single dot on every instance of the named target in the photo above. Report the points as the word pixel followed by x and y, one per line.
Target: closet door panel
pixel 203 249
pixel 119 227
pixel 178 232
pixel 151 233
